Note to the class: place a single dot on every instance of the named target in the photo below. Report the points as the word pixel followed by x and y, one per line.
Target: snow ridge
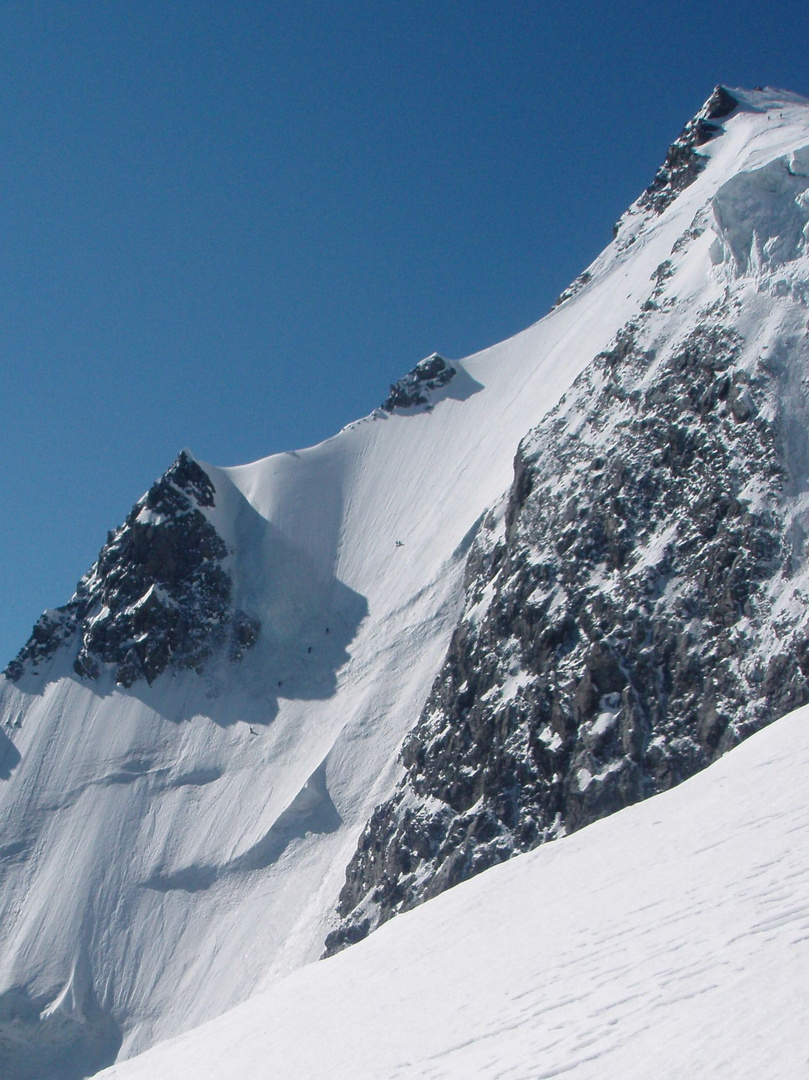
pixel 176 845
pixel 636 606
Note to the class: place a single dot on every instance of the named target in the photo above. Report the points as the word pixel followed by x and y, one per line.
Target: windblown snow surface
pixel 670 940
pixel 170 850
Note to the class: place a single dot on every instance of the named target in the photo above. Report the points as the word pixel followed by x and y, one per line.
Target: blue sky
pixel 231 226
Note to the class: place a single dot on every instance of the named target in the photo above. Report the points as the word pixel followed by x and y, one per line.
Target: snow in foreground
pixel 172 849
pixel 670 940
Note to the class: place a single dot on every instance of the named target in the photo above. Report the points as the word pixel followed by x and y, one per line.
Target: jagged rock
pixel 157 596
pixel 720 104
pixel 573 289
pixel 619 609
pixel 683 164
pixel 243 634
pixel 415 388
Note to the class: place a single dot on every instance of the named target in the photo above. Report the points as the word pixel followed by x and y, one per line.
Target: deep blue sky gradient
pixel 231 226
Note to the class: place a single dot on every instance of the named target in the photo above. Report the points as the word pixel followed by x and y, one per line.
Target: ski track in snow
pixel 669 940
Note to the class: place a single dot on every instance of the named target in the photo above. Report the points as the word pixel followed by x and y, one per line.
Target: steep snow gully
pixel 200 742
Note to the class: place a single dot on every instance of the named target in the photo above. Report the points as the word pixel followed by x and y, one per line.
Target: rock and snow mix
pixel 191 748
pixel 637 604
pixel 159 595
pixel 669 940
pixel 625 627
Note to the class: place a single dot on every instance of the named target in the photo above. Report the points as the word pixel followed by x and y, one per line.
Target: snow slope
pixel 160 862
pixel 669 940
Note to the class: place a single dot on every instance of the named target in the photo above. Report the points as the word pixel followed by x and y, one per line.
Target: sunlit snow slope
pixel 670 940
pixel 169 850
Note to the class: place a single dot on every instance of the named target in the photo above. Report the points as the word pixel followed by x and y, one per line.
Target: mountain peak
pixel 545 637
pixel 720 104
pixel 682 164
pixel 157 596
pixel 415 388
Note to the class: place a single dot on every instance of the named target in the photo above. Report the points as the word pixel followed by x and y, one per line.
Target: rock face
pixel 625 620
pixel 573 289
pixel 159 594
pixel 683 164
pixel 415 388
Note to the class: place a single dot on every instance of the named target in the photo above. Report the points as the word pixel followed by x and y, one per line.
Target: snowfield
pixel 169 851
pixel 667 941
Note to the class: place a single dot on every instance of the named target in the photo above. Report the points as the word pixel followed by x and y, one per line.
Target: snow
pixel 670 940
pixel 184 864
pixel 762 217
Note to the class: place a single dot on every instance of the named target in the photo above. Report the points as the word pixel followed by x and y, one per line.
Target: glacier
pixel 175 846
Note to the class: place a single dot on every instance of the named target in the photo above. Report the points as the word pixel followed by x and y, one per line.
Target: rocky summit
pixel 159 594
pixel 683 162
pixel 543 582
pixel 415 388
pixel 635 604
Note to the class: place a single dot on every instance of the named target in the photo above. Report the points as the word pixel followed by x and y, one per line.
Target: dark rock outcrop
pixel 683 164
pixel 415 388
pixel 620 628
pixel 159 594
pixel 573 289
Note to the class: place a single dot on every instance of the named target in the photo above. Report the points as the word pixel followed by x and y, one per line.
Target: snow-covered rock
pixel 417 386
pixel 637 602
pixel 670 940
pixel 159 595
pixel 175 843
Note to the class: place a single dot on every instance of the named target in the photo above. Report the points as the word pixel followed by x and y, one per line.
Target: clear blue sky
pixel 229 226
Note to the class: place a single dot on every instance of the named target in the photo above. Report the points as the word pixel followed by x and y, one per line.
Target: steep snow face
pixel 669 940
pixel 636 605
pixel 173 846
pixel 761 219
pixel 634 608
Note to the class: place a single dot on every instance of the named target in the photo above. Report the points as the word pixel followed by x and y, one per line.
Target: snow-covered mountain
pixel 669 940
pixel 636 604
pixel 196 746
